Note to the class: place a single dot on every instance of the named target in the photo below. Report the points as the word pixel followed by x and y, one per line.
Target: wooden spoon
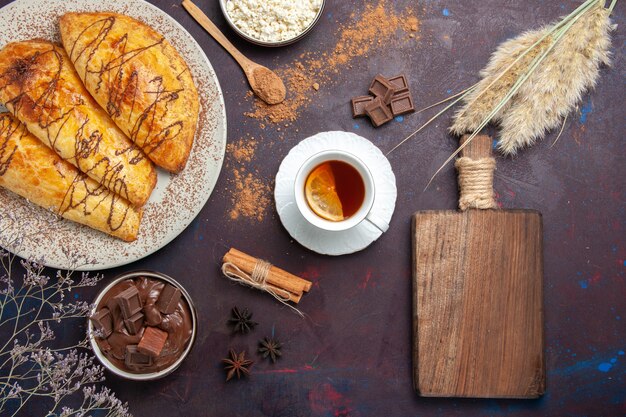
pixel 264 83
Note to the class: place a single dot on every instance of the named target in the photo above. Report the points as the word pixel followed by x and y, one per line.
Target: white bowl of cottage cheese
pixel 272 22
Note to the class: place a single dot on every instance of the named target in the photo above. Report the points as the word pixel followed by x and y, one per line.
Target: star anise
pixel 270 347
pixel 241 320
pixel 237 364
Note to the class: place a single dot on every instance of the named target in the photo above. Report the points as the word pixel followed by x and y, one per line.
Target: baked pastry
pixel 34 171
pixel 41 88
pixel 139 79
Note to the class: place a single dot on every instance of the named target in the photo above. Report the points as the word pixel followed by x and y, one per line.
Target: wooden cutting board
pixel 478 313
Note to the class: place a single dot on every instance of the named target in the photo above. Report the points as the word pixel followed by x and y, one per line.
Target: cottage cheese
pixel 273 20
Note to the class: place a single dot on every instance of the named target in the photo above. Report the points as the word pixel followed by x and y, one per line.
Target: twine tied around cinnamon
pixel 476 182
pixel 258 279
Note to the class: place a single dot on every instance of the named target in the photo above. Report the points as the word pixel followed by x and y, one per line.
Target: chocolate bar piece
pixel 102 322
pixel 400 83
pixel 134 324
pixel 382 88
pixel 152 341
pixel 359 104
pixel 134 358
pixel 402 104
pixel 378 112
pixel 129 302
pixel 116 313
pixel 168 299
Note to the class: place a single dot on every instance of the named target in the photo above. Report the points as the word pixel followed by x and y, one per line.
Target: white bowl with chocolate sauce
pixel 284 42
pixel 150 325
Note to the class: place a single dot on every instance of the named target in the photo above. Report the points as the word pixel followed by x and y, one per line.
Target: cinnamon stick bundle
pixel 260 274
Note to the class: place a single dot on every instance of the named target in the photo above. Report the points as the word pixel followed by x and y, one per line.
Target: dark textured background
pixel 352 356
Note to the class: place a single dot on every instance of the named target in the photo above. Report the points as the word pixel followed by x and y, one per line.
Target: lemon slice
pixel 321 194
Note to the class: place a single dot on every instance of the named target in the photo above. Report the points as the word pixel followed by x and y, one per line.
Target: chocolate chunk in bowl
pixel 151 344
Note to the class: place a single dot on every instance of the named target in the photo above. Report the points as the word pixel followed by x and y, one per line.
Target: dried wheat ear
pixel 559 70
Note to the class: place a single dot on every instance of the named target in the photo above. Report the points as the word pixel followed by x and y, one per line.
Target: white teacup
pixel 364 213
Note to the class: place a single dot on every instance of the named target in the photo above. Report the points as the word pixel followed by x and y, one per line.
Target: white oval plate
pixel 36 234
pixel 323 241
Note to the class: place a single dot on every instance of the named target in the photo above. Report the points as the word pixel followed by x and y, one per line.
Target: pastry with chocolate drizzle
pixel 33 171
pixel 139 79
pixel 41 88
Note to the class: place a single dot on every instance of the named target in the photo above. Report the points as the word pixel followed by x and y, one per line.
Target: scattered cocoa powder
pixel 243 150
pixel 377 26
pixel 298 81
pixel 251 196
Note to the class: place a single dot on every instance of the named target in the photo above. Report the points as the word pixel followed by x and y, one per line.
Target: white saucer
pixel 322 241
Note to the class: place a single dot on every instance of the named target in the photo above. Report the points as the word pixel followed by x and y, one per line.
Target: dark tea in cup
pixel 334 190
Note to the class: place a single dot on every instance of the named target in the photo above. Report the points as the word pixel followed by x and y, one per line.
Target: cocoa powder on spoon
pixel 267 85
